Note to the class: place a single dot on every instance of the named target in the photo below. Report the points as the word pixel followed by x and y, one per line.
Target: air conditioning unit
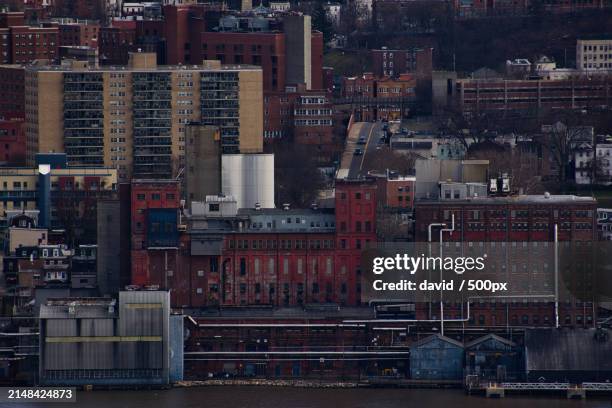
pixel 493 185
pixel 506 185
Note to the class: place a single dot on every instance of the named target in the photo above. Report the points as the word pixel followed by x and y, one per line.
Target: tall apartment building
pixel 594 54
pixel 133 118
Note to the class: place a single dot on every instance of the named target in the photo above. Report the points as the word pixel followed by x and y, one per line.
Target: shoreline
pixel 314 383
pixel 269 383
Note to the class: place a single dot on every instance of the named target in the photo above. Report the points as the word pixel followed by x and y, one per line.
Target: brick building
pixel 155 205
pixel 12 87
pixel 11 18
pixel 389 62
pixel 241 257
pixel 481 8
pixel 22 44
pixel 527 220
pixel 33 43
pixel 307 115
pixel 575 92
pixel 520 218
pixel 12 142
pixel 375 98
pixel 116 42
pixel 78 33
pixel 395 191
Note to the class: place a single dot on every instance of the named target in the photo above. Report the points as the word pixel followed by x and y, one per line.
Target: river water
pixel 287 397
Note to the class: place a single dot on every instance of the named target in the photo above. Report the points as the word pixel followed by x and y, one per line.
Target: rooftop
pixel 517 199
pixel 160 68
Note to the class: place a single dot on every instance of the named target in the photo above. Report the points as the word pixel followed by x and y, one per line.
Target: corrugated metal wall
pixel 176 348
pixel 137 341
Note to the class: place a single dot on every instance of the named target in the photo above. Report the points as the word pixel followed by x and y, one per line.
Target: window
pixel 140 197
pixel 242 266
pixel 214 265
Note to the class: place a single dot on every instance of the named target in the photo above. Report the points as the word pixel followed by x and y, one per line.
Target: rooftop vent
pixel 286 206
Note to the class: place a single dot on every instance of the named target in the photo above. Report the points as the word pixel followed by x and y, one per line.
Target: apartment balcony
pixel 152 152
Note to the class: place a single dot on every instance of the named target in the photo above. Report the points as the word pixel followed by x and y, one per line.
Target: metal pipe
pixel 302 353
pixel 442 231
pixel 556 276
pixel 278 325
pixel 411 320
pixel 433 224
pixel 429 227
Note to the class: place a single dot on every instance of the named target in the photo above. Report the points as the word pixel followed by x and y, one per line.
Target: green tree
pixel 321 22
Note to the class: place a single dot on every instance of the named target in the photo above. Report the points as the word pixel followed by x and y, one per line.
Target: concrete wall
pixel 298 35
pixel 202 162
pixel 109 250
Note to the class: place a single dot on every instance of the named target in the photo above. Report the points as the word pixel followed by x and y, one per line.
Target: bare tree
pixel 561 141
pixel 297 178
pixel 525 177
pixel 386 159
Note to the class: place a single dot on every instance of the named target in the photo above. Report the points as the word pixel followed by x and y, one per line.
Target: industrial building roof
pixel 567 350
pixel 78 308
pixel 518 199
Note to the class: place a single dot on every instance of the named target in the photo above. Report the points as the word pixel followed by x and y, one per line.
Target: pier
pixel 572 391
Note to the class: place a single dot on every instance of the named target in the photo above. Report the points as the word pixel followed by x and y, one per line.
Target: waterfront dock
pixel 572 391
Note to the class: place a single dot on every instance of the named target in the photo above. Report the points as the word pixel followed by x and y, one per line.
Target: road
pixel 351 163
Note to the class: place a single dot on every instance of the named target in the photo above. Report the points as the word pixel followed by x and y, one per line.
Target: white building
pixel 604 223
pixel 594 54
pixel 583 159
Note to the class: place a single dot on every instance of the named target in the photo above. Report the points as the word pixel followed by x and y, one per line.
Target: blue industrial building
pixel 436 358
pixel 492 357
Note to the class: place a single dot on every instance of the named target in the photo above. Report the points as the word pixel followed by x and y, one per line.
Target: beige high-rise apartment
pixel 133 118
